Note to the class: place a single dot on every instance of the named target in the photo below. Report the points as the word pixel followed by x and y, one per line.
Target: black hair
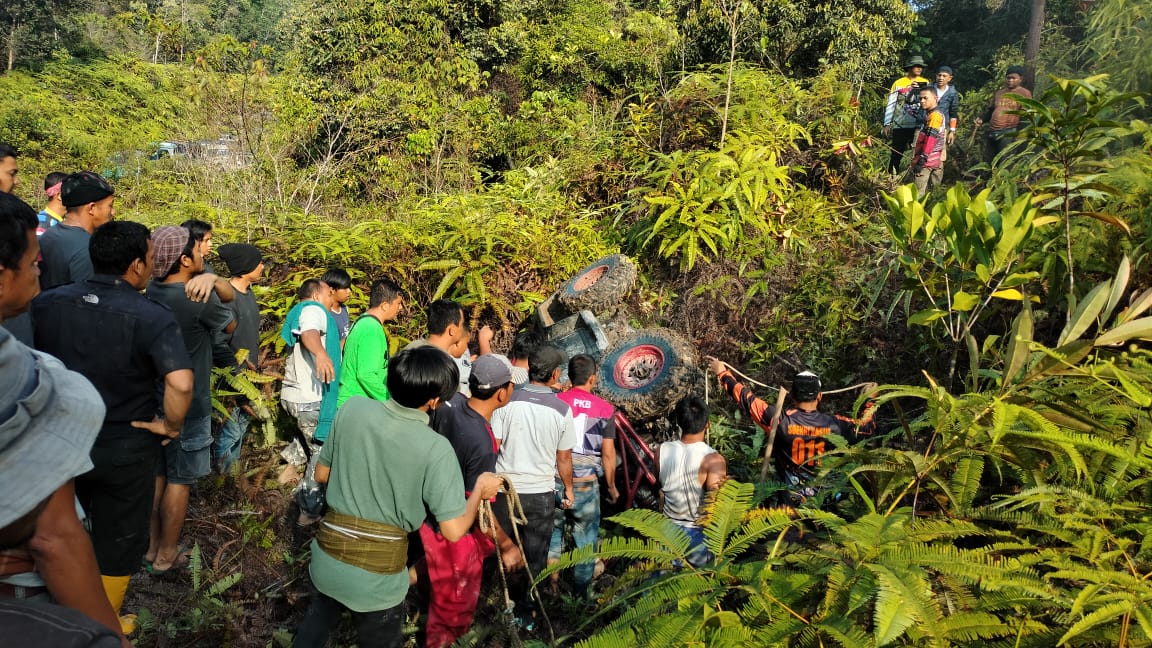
pixel 116 244
pixel 384 291
pixel 930 88
pixel 308 289
pixel 691 415
pixel 337 278
pixel 417 375
pixel 6 151
pixel 197 229
pixel 543 362
pixel 581 368
pixel 53 179
pixel 524 344
pixel 480 393
pixel 17 218
pixel 443 313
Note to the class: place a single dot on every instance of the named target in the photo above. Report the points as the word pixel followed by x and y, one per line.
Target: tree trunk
pixel 12 45
pixel 1032 45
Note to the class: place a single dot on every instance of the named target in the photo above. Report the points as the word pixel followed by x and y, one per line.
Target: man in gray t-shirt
pixel 536 433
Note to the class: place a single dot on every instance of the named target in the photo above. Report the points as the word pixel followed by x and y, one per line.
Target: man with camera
pixel 901 117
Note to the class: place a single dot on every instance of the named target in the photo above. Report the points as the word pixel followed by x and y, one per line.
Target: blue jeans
pixel 228 444
pixel 698 552
pixel 189 457
pixel 584 521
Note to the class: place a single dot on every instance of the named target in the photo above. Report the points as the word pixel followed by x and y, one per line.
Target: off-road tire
pixel 646 372
pixel 600 286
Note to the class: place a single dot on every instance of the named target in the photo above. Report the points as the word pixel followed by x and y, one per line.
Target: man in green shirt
pixel 386 472
pixel 365 368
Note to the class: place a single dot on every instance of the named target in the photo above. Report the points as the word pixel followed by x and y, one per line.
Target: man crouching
pixel 385 468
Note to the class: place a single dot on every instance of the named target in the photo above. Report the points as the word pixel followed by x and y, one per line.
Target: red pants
pixel 454 573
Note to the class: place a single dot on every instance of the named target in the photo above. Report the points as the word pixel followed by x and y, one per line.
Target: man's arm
pixel 201 287
pixel 487 485
pixel 312 341
pixel 714 472
pixel 760 411
pixel 177 400
pixel 564 467
pixel 484 339
pixel 66 561
pixel 608 458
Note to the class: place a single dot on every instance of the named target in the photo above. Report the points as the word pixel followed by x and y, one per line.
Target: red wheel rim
pixel 588 278
pixel 639 366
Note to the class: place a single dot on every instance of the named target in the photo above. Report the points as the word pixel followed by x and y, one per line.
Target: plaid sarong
pixel 372 546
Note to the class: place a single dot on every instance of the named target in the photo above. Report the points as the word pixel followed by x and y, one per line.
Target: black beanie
pixel 83 188
pixel 241 258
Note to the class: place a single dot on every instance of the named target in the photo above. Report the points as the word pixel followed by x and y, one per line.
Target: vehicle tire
pixel 646 372
pixel 599 286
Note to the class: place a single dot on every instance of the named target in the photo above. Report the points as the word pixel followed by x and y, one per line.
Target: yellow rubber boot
pixel 115 587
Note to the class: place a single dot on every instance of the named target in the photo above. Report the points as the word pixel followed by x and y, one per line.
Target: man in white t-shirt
pixel 536 433
pixel 308 369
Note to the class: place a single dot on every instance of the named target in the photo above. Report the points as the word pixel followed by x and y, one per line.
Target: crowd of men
pixel 923 116
pixel 106 425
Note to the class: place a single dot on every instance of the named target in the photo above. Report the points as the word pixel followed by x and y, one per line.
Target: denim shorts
pixel 189 457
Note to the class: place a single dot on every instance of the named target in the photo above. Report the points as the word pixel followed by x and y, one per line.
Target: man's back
pixel 471 437
pixel 199 323
pixel 119 340
pixel 681 481
pixel 532 428
pixel 301 385
pixel 594 420
pixel 65 256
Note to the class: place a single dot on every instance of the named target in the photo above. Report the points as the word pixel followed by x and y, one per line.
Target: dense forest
pixel 486 150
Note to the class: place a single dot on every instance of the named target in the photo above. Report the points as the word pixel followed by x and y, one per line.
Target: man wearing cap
pixel 178 258
pixel 58 559
pixel 593 456
pixel 246 265
pixel 455 568
pixel 87 199
pixel 536 432
pixel 53 213
pixel 364 367
pixel 802 433
pixel 49 417
pixel 125 345
pixel 1001 122
pixel 901 117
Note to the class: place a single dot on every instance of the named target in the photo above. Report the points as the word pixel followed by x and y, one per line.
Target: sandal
pixel 180 563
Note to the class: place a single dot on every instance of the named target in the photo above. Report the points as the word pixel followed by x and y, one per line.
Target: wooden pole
pixel 772 433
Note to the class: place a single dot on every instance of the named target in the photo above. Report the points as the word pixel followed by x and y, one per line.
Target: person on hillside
pixel 131 345
pixel 53 213
pixel 536 433
pixel 246 265
pixel 592 458
pixel 177 259
pixel 900 117
pixel 1002 122
pixel 928 154
pixel 340 282
pixel 57 561
pixel 448 331
pixel 365 370
pixel 88 200
pixel 948 103
pixel 690 470
pixel 311 386
pixel 802 434
pixel 455 568
pixel 9 169
pixel 49 418
pixel 386 472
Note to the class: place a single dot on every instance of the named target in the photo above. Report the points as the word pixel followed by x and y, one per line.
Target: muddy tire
pixel 600 286
pixel 646 372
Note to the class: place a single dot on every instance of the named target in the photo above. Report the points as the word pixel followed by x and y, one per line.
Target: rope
pixel 488 523
pixel 823 391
